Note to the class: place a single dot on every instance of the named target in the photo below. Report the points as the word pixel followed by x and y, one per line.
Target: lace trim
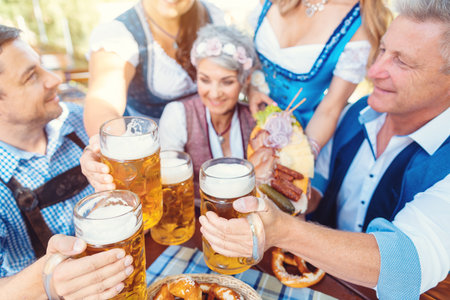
pixel 352 63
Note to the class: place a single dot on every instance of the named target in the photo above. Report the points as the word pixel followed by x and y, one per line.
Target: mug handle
pixel 258 236
pixel 47 273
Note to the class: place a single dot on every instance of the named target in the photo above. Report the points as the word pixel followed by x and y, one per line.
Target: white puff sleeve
pixel 352 63
pixel 114 37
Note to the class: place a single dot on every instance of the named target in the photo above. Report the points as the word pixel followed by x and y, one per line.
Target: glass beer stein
pixel 130 147
pixel 113 219
pixel 177 224
pixel 223 180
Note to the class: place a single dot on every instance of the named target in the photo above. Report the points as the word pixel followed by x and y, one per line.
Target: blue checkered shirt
pixel 32 170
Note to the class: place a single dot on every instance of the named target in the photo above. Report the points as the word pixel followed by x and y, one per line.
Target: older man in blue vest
pixel 384 177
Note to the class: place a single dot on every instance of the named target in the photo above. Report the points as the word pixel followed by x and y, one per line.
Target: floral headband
pixel 214 47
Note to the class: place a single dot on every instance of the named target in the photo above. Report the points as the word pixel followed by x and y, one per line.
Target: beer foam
pixel 227 181
pixel 174 170
pixel 107 225
pixel 130 145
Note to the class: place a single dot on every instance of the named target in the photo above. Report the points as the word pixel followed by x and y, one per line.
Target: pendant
pixel 221 139
pixel 175 45
pixel 310 11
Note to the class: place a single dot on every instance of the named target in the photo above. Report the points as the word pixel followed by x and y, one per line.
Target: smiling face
pixel 218 87
pixel 171 8
pixel 28 91
pixel 407 76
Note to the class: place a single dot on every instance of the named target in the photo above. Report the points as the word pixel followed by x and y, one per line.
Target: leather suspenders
pixel 58 189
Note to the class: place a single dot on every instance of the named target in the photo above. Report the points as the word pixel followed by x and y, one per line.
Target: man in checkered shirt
pixel 34 148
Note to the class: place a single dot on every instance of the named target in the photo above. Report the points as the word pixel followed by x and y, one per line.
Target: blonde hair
pixel 376 18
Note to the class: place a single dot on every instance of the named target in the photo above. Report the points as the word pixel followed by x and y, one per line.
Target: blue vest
pixel 411 172
pixel 284 84
pixel 140 98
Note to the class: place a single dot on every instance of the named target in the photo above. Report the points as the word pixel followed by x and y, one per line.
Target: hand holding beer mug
pixel 222 181
pixel 130 148
pixel 177 224
pixel 113 219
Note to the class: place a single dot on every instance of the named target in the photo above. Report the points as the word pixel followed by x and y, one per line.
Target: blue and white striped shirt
pixel 32 170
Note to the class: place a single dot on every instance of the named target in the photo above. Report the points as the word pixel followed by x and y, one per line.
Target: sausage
pixel 286 188
pixel 281 201
pixel 281 175
pixel 290 172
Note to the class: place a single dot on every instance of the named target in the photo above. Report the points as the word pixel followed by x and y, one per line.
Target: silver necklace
pixel 311 9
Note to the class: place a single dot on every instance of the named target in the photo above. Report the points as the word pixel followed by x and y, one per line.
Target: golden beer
pixel 113 219
pixel 222 181
pixel 177 224
pixel 130 148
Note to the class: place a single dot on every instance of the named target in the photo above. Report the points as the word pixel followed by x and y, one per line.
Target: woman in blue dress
pixel 321 46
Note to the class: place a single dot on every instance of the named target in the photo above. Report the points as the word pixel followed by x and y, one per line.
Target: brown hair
pixel 376 18
pixel 190 23
pixel 8 34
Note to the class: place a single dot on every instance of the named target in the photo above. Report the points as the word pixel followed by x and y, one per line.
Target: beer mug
pixel 223 180
pixel 113 219
pixel 177 224
pixel 130 147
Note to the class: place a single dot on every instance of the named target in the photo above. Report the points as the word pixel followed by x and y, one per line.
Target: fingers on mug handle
pixel 258 236
pixel 47 274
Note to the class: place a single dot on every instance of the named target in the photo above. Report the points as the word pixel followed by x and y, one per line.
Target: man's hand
pixel 233 237
pixel 96 172
pixel 99 276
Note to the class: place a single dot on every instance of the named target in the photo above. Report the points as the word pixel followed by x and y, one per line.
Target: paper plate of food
pixel 281 154
pixel 201 286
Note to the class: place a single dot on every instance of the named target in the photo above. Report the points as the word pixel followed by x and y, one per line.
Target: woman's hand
pixel 96 172
pixel 257 100
pixel 99 276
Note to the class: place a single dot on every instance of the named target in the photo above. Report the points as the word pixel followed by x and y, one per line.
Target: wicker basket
pixel 239 286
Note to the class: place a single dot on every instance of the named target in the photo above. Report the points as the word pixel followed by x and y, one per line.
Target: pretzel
pixel 307 277
pixel 185 288
pixel 189 289
pixel 164 294
pixel 219 292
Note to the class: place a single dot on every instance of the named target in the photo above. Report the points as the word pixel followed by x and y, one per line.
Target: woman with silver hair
pixel 213 124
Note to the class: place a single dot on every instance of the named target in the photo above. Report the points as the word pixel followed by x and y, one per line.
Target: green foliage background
pixel 80 14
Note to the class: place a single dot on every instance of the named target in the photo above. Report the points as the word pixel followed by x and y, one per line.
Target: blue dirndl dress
pixel 284 84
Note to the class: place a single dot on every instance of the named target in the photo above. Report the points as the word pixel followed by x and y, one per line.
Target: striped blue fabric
pixel 181 260
pixel 32 170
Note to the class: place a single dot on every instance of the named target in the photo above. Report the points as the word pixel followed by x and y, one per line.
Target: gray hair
pixel 225 39
pixel 430 10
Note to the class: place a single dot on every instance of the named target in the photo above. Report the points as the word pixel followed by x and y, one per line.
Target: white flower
pixel 258 78
pixel 264 88
pixel 229 49
pixel 201 48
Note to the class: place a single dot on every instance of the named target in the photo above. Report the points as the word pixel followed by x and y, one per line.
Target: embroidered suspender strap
pixel 58 189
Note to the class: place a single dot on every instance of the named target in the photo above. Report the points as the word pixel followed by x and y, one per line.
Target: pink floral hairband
pixel 214 47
